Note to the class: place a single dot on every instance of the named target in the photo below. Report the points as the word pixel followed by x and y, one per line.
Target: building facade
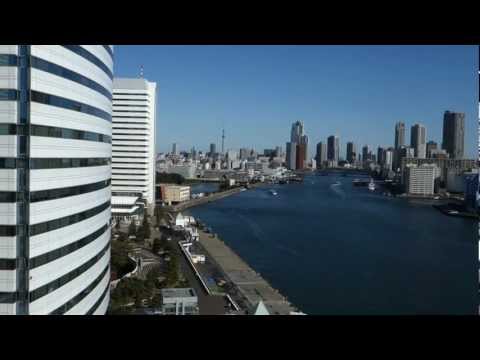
pixel 300 156
pixel 351 152
pixel 321 154
pixel 399 135
pixel 454 134
pixel 291 156
pixel 418 140
pixel 333 149
pixel 420 180
pixel 133 138
pixel 55 172
pixel 431 146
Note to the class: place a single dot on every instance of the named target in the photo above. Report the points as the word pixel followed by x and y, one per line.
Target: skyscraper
pixel 351 152
pixel 333 149
pixel 55 110
pixel 321 154
pixel 366 153
pixel 297 135
pixel 291 160
pixel 418 140
pixel 399 135
pixel 431 145
pixel 454 134
pixel 174 149
pixel 380 155
pixel 213 149
pixel 300 156
pixel 133 143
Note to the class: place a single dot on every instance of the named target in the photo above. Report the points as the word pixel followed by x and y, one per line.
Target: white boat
pixel 273 192
pixel 371 185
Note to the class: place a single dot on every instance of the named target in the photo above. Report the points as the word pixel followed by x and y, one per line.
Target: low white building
pixel 126 208
pixel 174 193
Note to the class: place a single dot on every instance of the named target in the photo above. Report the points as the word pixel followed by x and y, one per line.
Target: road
pixel 208 304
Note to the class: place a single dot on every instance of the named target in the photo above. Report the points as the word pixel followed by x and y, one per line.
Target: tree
pixel 132 229
pixel 146 228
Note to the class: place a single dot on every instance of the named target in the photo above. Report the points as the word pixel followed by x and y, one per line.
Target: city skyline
pixel 412 84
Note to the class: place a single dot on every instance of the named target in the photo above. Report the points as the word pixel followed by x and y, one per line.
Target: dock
pixel 251 287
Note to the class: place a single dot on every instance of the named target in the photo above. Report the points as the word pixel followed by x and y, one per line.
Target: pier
pixel 251 287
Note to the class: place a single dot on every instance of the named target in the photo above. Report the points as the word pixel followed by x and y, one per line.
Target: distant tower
pixel 141 71
pixel 223 140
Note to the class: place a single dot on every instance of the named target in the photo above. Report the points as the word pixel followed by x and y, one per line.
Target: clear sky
pixel 257 92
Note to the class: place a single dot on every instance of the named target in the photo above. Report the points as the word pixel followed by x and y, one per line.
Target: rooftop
pixel 124 200
pixel 130 83
pixel 178 293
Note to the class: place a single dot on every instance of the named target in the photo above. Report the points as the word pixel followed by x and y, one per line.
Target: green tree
pixel 132 229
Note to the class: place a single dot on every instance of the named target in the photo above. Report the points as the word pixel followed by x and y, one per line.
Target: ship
pixel 273 192
pixel 371 185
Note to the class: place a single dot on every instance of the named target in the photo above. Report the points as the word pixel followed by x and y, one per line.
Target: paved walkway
pixel 250 285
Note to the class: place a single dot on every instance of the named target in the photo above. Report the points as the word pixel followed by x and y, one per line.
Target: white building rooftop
pixel 124 200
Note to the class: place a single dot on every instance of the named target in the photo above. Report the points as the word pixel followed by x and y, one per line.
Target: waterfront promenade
pixel 251 286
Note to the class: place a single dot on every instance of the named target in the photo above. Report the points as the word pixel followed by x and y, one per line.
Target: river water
pixel 332 248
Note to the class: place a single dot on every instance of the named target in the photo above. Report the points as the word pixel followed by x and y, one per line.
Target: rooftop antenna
pixel 141 71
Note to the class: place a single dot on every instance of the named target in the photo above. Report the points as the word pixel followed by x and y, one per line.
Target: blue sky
pixel 257 92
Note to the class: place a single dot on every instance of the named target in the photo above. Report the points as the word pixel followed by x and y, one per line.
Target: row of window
pixel 8 60
pixel 67 249
pixel 79 297
pixel 65 73
pixel 109 50
pixel 61 281
pixel 129 105
pixel 51 194
pixel 141 140
pixel 67 220
pixel 99 301
pixel 128 157
pixel 135 180
pixel 11 264
pixel 127 151
pixel 13 230
pixel 129 111
pixel 68 104
pixel 130 117
pixel 127 168
pixel 77 49
pixel 136 94
pixel 128 128
pixel 130 145
pixel 50 131
pixel 48 163
pixel 8 95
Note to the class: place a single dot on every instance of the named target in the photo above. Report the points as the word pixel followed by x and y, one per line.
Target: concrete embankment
pixel 250 285
pixel 206 199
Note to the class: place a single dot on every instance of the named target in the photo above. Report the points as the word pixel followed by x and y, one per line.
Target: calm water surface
pixel 332 248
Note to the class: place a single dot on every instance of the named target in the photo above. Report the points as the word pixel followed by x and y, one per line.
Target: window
pixel 68 104
pixel 77 49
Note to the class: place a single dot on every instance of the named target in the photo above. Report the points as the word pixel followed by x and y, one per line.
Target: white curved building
pixel 55 174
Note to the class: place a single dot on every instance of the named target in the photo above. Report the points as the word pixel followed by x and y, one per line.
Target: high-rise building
pixel 333 149
pixel 321 154
pixel 291 156
pixel 300 156
pixel 418 140
pixel 213 150
pixel 133 143
pixel 366 153
pixel 297 135
pixel 454 134
pixel 55 120
pixel 244 153
pixel 351 152
pixel 431 145
pixel 380 155
pixel 399 135
pixel 174 149
pixel 388 159
pixel 278 151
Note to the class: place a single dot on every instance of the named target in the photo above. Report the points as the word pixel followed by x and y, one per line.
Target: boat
pixel 273 192
pixel 371 185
